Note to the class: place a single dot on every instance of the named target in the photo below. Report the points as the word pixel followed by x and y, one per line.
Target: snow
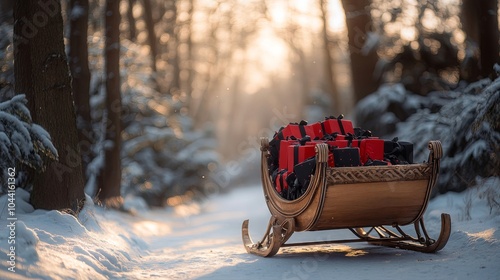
pixel 21 141
pixel 77 12
pixel 496 67
pixel 371 43
pixel 203 241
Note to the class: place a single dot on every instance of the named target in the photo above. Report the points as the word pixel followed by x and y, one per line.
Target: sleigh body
pixel 371 201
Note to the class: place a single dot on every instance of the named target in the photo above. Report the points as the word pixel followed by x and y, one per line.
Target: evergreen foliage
pixel 21 140
pixel 162 154
pixel 466 121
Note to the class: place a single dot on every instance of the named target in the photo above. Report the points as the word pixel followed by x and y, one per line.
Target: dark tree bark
pixel 480 23
pixel 359 24
pixel 190 53
pixel 79 65
pixel 331 85
pixel 110 177
pixel 6 7
pixel 132 30
pixel 41 72
pixel 173 46
pixel 488 44
pixel 150 26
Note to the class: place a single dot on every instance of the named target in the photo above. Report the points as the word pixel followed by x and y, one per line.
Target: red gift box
pixel 298 153
pixel 300 130
pixel 331 146
pixel 315 130
pixel 280 181
pixel 333 125
pixel 370 148
pixel 283 152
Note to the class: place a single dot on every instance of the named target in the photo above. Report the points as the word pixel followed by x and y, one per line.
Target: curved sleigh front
pixel 371 201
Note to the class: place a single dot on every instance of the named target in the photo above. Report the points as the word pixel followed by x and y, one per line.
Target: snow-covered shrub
pixel 466 121
pixel 490 191
pixel 162 156
pixel 21 140
pixel 383 109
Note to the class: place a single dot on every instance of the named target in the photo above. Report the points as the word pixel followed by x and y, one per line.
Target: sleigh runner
pixel 373 202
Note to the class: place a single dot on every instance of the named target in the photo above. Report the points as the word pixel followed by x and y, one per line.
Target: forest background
pixel 200 81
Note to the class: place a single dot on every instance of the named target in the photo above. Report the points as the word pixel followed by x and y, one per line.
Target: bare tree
pixel 173 46
pixel 359 26
pixel 41 72
pixel 6 10
pixel 150 27
pixel 190 52
pixel 329 63
pixel 132 30
pixel 109 179
pixel 79 65
pixel 480 23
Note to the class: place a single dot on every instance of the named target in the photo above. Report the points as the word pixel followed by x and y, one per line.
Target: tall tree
pixel 480 23
pixel 190 52
pixel 150 27
pixel 173 46
pixel 359 25
pixel 6 10
pixel 331 85
pixel 42 73
pixel 79 65
pixel 109 179
pixel 132 30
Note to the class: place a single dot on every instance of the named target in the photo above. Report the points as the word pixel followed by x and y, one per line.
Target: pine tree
pixel 22 141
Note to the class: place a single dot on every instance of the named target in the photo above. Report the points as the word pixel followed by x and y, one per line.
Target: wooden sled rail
pixel 373 202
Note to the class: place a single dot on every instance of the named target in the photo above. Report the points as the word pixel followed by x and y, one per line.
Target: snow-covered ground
pixel 203 241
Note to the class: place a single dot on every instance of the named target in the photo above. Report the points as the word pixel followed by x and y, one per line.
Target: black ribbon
pixel 304 140
pixel 295 154
pixel 302 129
pixel 281 181
pixel 339 120
pixel 341 125
pixel 349 137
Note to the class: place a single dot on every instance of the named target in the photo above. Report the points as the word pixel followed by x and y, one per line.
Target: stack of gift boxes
pixel 292 152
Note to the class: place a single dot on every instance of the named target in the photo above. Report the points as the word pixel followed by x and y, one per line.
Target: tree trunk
pixel 132 30
pixel 190 54
pixel 79 65
pixel 480 23
pixel 173 47
pixel 470 68
pixel 110 177
pixel 488 44
pixel 359 25
pixel 331 85
pixel 150 26
pixel 6 7
pixel 41 72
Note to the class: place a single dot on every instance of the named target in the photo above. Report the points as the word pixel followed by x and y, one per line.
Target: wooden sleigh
pixel 373 202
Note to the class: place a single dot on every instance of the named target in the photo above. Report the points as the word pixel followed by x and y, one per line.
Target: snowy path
pixel 204 242
pixel 208 246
